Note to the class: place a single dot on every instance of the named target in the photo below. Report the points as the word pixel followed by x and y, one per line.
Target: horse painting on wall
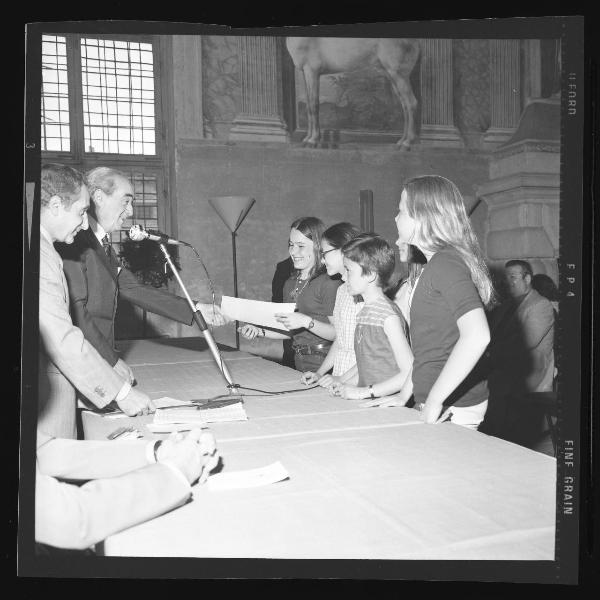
pixel 366 86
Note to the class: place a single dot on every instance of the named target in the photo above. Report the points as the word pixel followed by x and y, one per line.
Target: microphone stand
pixel 232 387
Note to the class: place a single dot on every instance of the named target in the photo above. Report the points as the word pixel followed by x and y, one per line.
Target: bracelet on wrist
pixel 157 445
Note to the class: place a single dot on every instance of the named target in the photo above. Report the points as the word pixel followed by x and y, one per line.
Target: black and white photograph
pixel 309 307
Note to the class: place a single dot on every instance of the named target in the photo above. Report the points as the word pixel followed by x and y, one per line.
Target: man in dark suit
pixel 283 272
pixel 521 355
pixel 96 279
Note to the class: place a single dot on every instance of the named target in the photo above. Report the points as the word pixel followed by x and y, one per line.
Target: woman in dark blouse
pixel 311 326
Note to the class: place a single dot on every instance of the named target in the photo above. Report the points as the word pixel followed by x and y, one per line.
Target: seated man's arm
pixel 68 516
pixel 74 459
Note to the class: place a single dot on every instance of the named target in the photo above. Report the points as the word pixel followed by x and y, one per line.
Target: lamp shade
pixel 232 209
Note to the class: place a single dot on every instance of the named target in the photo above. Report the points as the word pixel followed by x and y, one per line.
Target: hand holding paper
pixel 254 311
pixel 293 320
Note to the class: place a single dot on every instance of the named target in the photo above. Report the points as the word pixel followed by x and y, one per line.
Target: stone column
pixel 261 117
pixel 437 102
pixel 523 193
pixel 505 92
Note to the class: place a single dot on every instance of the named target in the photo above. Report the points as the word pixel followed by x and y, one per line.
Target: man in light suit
pixel 521 355
pixel 67 361
pixel 131 482
pixel 96 279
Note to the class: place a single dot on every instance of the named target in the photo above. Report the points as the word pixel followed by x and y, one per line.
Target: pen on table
pixel 205 470
pixel 445 416
pixel 119 432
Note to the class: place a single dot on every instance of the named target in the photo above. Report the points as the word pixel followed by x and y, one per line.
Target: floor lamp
pixel 233 210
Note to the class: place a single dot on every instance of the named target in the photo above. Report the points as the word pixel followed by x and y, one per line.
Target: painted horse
pixel 316 56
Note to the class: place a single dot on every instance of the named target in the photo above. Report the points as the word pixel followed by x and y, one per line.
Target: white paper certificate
pixel 246 479
pixel 256 311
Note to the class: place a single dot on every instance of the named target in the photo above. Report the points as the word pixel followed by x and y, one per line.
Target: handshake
pixel 212 314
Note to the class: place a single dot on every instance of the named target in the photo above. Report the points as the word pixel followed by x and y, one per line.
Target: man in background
pixel 521 355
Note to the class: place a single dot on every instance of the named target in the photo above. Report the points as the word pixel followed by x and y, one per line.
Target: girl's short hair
pixel 313 229
pixel 373 254
pixel 437 206
pixel 339 234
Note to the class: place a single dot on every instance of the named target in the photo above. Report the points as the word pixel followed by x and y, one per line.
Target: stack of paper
pixel 196 417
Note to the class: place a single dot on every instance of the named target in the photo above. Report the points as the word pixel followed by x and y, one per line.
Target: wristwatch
pixel 311 324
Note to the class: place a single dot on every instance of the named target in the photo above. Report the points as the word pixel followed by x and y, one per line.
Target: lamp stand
pixel 235 287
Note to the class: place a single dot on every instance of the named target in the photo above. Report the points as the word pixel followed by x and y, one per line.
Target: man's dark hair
pixel 525 266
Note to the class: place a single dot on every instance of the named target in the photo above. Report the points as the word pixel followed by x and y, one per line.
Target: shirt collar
pixel 97 229
pixel 45 233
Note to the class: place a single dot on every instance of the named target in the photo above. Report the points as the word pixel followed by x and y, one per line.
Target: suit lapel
pixel 59 262
pixel 96 246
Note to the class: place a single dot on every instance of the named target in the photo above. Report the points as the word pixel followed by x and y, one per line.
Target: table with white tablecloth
pixel 364 483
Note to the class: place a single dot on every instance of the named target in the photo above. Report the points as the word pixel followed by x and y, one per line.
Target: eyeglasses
pixel 324 252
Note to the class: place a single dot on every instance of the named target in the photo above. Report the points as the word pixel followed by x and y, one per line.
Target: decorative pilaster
pixel 505 93
pixel 532 76
pixel 437 104
pixel 261 117
pixel 187 80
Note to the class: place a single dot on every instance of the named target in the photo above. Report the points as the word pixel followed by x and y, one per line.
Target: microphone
pixel 137 233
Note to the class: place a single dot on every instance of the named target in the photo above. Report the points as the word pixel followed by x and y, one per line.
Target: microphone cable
pixel 266 393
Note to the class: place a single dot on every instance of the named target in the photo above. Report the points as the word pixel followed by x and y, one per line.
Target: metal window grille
pixel 118 96
pixel 56 135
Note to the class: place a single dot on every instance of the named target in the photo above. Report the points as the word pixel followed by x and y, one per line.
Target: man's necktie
pixel 106 244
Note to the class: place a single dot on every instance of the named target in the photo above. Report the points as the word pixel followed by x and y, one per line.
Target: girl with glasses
pixel 341 355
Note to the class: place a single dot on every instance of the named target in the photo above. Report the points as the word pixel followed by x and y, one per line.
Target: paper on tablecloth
pixel 246 479
pixel 166 402
pixel 256 311
pixel 114 414
pixel 169 427
pixel 193 415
